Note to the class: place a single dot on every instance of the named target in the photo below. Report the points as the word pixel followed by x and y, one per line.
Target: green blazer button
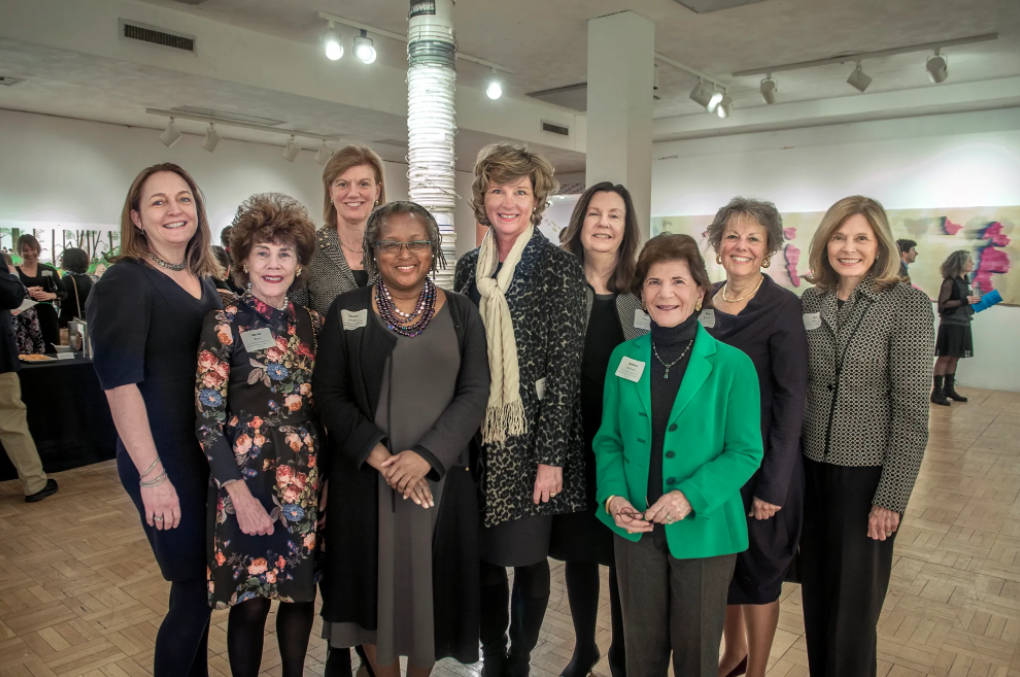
pixel 671 481
pixel 672 428
pixel 670 454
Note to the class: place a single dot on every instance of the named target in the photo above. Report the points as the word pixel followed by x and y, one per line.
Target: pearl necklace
pixel 742 298
pixel 176 267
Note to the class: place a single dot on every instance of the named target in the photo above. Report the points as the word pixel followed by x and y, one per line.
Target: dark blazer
pixel 869 376
pixel 347 383
pixel 12 295
pixel 546 299
pixel 329 275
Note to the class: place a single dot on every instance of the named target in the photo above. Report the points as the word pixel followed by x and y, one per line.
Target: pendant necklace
pixel 673 363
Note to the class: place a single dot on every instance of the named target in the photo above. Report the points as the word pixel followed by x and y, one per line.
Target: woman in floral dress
pixel 255 424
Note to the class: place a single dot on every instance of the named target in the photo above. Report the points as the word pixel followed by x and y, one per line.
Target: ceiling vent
pixel 554 128
pixel 7 80
pixel 706 6
pixel 133 30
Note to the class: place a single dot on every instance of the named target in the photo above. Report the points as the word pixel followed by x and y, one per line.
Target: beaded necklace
pixel 399 321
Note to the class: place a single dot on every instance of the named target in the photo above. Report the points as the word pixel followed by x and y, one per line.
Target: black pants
pixel 845 574
pixel 182 640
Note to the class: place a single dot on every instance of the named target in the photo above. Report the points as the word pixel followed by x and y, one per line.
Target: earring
pixel 245 268
pixel 376 204
pixel 697 306
pixel 767 262
pixel 718 259
pixel 299 271
pixel 331 201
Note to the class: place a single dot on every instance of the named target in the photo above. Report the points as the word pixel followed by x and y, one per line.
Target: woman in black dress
pixel 955 339
pixel 43 284
pixel 603 234
pixel 763 320
pixel 77 284
pixel 145 316
pixel 531 297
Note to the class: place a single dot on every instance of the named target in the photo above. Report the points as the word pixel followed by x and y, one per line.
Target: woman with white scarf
pixel 531 297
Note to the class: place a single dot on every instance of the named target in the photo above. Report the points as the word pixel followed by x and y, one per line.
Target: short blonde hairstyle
pixel 502 163
pixel 340 162
pixel 885 270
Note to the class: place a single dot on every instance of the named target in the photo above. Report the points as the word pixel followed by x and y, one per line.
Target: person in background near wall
pixel 14 433
pixel 603 234
pixel 226 285
pixel 870 340
pixel 955 339
pixel 354 185
pixel 908 254
pixel 145 318
pixel 27 334
pixel 253 394
pixel 531 297
pixel 763 320
pixel 77 284
pixel 680 436
pixel 43 283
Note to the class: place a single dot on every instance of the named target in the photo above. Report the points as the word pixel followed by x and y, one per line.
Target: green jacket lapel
pixel 641 351
pixel 698 369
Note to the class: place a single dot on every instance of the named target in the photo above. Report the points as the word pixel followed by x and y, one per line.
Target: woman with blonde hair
pixel 870 340
pixel 531 296
pixel 354 184
pixel 145 316
pixel 955 339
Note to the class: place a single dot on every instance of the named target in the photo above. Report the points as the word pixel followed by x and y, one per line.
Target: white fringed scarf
pixel 504 414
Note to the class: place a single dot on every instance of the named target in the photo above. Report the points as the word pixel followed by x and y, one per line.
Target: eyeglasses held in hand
pixel 394 247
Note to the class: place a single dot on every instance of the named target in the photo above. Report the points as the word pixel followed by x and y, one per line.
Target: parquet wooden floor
pixel 80 594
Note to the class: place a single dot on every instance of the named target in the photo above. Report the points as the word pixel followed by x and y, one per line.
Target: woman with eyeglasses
pixel 401 383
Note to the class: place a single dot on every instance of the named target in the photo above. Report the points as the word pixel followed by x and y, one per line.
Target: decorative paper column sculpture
pixel 431 120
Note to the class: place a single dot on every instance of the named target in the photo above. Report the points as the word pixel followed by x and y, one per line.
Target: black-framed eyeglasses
pixel 394 247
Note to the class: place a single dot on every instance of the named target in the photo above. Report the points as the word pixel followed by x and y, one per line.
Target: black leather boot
pixel 938 396
pixel 526 616
pixel 494 621
pixel 950 390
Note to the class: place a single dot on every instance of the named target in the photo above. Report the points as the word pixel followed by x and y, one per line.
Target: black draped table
pixel 67 415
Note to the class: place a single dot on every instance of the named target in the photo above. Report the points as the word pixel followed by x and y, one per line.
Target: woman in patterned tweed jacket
pixel 532 459
pixel 870 343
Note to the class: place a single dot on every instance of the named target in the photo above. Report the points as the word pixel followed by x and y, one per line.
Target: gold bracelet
pixel 608 501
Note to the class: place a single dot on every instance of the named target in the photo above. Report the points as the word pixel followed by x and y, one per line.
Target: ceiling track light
pixel 715 100
pixel 170 135
pixel 323 155
pixel 212 139
pixel 364 48
pixel 937 67
pixel 859 80
pixel 495 89
pixel 701 94
pixel 290 152
pixel 725 106
pixel 769 89
pixel 331 43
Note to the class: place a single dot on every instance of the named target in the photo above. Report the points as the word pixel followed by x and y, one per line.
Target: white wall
pixel 960 160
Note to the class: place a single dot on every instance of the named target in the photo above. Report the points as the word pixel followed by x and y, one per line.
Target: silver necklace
pixel 176 267
pixel 673 363
pixel 353 251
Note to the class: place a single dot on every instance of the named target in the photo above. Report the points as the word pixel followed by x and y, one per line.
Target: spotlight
pixel 937 67
pixel 725 106
pixel 290 153
pixel 363 48
pixel 494 90
pixel 714 101
pixel 171 135
pixel 858 79
pixel 701 94
pixel 211 140
pixel 331 41
pixel 323 155
pixel 769 88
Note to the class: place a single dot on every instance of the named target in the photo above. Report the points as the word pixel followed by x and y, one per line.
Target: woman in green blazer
pixel 680 436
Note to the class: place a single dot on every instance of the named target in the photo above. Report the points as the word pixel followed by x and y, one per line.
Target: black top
pixel 145 331
pixel 47 277
pixel 12 295
pixel 360 277
pixel 77 288
pixel 952 303
pixel 604 333
pixel 670 343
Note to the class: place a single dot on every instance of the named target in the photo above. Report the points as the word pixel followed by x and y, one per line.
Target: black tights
pixel 531 581
pixel 246 635
pixel 583 592
pixel 182 640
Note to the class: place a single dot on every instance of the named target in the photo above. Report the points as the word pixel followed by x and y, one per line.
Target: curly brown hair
pixel 272 218
pixel 672 247
pixel 502 163
pixel 763 212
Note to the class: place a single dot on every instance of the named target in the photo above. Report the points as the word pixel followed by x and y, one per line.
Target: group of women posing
pixel 345 422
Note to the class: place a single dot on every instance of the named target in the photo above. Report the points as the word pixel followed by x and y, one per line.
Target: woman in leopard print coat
pixel 526 477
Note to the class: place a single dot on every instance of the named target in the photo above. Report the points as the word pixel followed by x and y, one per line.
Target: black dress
pixel 955 338
pixel 770 330
pixel 580 536
pixel 145 330
pixel 48 278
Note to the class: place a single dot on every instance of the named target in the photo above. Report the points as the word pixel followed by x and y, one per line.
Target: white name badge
pixel 707 318
pixel 642 320
pixel 812 321
pixel 47 273
pixel 257 339
pixel 354 319
pixel 630 369
pixel 540 389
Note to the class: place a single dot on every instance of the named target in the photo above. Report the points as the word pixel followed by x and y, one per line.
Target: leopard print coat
pixel 547 307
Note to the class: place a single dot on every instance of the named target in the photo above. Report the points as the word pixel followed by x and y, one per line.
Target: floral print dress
pixel 255 424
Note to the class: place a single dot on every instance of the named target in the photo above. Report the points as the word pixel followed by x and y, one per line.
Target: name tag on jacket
pixel 257 339
pixel 812 321
pixel 630 369
pixel 354 319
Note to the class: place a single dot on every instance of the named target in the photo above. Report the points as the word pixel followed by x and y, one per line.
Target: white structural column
pixel 621 63
pixel 431 119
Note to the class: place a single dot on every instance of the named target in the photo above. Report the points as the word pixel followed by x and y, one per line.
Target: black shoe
pixel 578 669
pixel 48 490
pixel 950 389
pixel 938 394
pixel 526 616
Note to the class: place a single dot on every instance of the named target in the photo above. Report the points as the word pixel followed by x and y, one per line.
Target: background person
pixel 77 284
pixel 531 297
pixel 870 339
pixel 145 316
pixel 908 254
pixel 681 435
pixel 955 340
pixel 603 234
pixel 43 284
